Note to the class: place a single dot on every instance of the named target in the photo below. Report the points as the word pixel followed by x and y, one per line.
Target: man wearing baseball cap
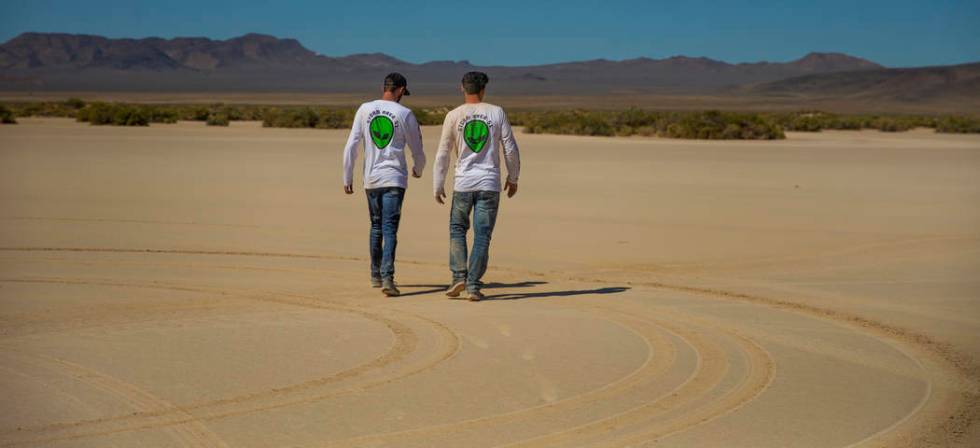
pixel 385 128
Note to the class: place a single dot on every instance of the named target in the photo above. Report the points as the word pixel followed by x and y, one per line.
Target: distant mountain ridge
pixel 55 62
pixel 946 83
pixel 78 51
pixel 48 56
pixel 58 50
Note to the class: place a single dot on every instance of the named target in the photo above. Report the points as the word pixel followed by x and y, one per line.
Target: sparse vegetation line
pixel 709 125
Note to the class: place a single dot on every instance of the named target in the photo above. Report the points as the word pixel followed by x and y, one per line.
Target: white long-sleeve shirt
pixel 477 133
pixel 385 128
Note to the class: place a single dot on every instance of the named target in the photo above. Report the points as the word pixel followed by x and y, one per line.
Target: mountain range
pixel 261 63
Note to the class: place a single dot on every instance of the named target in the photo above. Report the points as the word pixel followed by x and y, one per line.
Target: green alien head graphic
pixel 476 133
pixel 382 129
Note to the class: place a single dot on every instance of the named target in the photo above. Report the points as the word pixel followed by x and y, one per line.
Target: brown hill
pixel 265 63
pixel 897 83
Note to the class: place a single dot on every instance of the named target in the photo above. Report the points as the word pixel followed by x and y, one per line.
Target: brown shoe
pixel 389 289
pixel 476 296
pixel 455 289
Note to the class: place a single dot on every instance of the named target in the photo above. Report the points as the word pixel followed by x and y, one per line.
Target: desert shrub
pixel 517 118
pixel 430 117
pixel 245 112
pixel 75 103
pixel 307 117
pixel 633 121
pixel 847 123
pixel 218 119
pixel 114 114
pixel 887 124
pixel 577 122
pixel 7 115
pixel 124 115
pixel 159 114
pixel 715 125
pixel 194 113
pixel 290 118
pixel 808 121
pixel 690 125
pixel 28 110
pixel 44 109
pixel 334 118
pixel 958 125
pixel 97 113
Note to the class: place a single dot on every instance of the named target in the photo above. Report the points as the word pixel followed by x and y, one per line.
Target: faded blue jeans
pixel 484 206
pixel 385 207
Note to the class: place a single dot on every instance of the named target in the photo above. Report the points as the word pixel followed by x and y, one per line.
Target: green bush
pixel 95 113
pixel 307 117
pixel 114 114
pixel 633 121
pixel 7 115
pixel 290 118
pixel 161 115
pixel 576 122
pixel 430 117
pixel 958 125
pixel 715 125
pixel 690 125
pixel 75 103
pixel 334 118
pixel 808 121
pixel 218 119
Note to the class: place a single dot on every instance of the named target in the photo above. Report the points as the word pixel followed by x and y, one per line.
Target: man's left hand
pixel 511 189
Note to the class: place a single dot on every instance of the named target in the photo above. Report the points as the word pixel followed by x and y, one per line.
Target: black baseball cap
pixel 395 79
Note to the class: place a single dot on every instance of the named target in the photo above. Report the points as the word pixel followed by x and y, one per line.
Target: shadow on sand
pixel 440 288
pixel 544 294
pixel 488 290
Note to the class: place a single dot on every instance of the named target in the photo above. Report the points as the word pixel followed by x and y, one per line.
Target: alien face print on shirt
pixel 382 125
pixel 475 130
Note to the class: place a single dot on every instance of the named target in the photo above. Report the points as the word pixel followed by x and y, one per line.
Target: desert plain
pixel 183 285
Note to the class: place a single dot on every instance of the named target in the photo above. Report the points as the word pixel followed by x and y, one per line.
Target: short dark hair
pixel 395 80
pixel 475 82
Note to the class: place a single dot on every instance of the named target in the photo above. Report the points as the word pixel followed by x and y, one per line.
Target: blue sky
pixel 894 33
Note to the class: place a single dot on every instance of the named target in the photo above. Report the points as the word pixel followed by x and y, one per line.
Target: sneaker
pixel 475 296
pixel 389 289
pixel 455 289
pixel 375 282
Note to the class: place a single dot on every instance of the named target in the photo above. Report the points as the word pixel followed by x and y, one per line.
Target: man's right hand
pixel 441 196
pixel 349 189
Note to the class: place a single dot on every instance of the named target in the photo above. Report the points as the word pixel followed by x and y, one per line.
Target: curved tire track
pixel 406 341
pixel 966 409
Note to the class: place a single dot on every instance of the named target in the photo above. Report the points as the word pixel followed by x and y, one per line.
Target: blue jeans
pixel 484 206
pixel 385 207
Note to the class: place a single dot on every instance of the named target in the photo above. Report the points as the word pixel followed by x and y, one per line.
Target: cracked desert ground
pixel 181 285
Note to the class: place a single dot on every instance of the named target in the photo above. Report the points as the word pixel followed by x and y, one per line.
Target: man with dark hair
pixel 477 133
pixel 385 128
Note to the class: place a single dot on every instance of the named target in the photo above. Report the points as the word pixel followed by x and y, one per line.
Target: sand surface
pixel 180 285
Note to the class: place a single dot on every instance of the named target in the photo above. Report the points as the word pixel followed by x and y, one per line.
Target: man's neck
pixel 389 96
pixel 472 99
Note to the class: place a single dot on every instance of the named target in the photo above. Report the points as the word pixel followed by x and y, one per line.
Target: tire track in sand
pixel 406 341
pixel 191 433
pixel 661 356
pixel 681 405
pixel 942 424
pixel 946 420
pixel 698 400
